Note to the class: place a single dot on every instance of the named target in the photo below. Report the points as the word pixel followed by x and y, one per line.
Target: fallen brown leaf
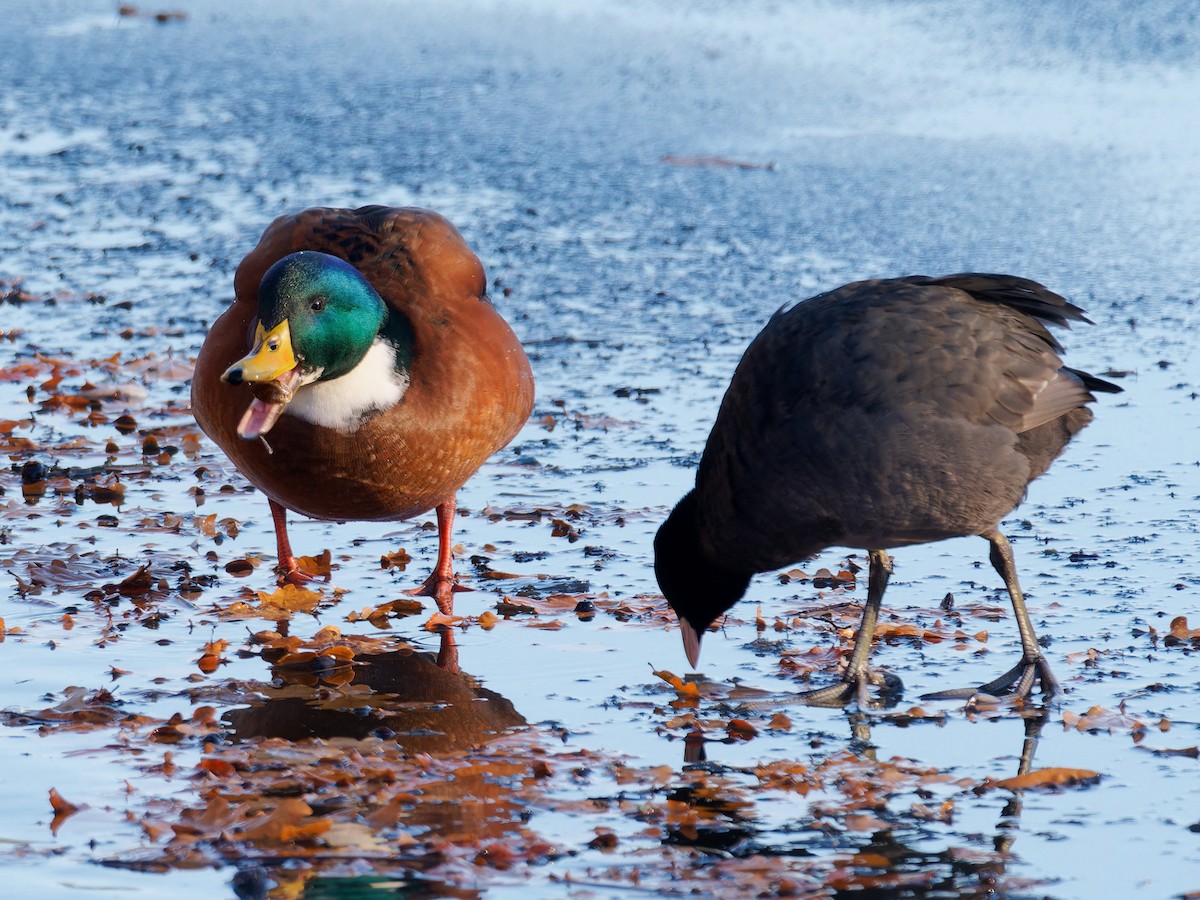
pixel 63 810
pixel 1179 632
pixel 319 566
pixel 741 729
pixel 441 620
pixel 685 688
pixel 713 162
pixel 1050 777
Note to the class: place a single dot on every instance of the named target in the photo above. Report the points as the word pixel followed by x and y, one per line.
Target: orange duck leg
pixel 442 583
pixel 288 567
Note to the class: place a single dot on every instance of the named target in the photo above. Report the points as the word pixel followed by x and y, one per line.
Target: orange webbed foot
pixel 289 572
pixel 442 584
pixel 442 589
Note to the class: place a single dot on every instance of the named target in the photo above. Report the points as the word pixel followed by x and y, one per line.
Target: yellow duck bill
pixel 272 369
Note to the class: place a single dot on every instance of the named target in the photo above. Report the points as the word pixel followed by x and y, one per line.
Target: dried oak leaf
pixel 154 830
pixel 63 810
pixel 398 560
pixel 780 722
pixel 319 566
pixel 277 604
pixel 217 816
pixel 220 768
pixel 391 813
pixel 1180 633
pixel 684 688
pixel 291 820
pixel 885 630
pixel 552 605
pixel 1097 718
pixel 440 620
pixel 377 614
pixel 1042 778
pixel 740 729
pixel 80 710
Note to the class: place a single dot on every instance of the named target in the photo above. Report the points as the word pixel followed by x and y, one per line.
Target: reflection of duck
pixel 422 701
pixel 379 368
pixel 881 414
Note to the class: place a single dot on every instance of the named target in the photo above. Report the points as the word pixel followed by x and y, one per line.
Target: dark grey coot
pixel 881 414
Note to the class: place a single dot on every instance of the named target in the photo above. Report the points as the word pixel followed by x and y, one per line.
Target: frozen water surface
pixel 140 161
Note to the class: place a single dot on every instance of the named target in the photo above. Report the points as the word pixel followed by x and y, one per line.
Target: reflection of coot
pixel 723 829
pixel 427 707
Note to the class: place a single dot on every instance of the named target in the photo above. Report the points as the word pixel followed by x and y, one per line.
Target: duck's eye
pixel 318 304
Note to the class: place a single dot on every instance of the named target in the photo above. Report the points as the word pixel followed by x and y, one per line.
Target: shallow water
pixel 140 161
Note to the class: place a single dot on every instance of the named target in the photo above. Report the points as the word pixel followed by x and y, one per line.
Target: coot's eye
pixel 318 304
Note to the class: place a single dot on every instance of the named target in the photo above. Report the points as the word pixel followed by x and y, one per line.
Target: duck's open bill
pixel 267 406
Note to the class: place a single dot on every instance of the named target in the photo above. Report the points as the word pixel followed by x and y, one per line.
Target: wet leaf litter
pixel 233 776
pixel 324 755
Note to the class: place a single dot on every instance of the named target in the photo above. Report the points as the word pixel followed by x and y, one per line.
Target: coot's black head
pixel 698 589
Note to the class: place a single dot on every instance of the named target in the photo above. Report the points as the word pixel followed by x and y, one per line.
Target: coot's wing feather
pixel 969 347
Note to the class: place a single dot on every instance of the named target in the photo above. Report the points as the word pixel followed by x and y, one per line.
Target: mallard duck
pixel 362 373
pixel 881 414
